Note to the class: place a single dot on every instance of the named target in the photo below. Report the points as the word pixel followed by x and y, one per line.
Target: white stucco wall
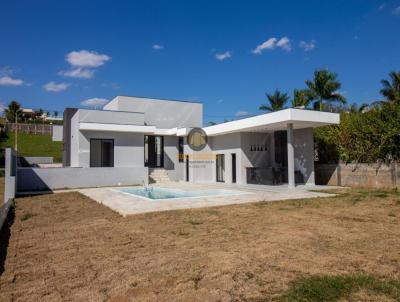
pixel 227 144
pixel 164 114
pixel 128 148
pixel 74 140
pixel 304 154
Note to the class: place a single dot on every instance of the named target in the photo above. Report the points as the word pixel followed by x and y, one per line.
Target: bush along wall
pixel 370 136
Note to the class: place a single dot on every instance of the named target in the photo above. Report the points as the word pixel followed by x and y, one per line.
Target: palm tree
pixel 12 111
pixel 277 101
pixel 301 98
pixel 324 87
pixel 391 91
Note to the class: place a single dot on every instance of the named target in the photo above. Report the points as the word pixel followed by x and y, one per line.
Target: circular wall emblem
pixel 197 139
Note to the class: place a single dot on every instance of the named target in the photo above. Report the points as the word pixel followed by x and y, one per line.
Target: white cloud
pixel 94 102
pixel 9 81
pixel 81 73
pixel 269 44
pixel 307 46
pixel 285 44
pixel 85 58
pixel 157 46
pixel 223 56
pixel 396 11
pixel 220 101
pixel 242 113
pixel 53 87
pixel 382 6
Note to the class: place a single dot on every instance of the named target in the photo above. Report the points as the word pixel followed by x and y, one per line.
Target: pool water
pixel 166 193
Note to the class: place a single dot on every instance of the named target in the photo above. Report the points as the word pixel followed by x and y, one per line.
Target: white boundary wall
pixel 43 179
pixel 9 184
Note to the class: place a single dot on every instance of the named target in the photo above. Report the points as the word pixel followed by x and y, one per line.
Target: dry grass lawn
pixel 66 247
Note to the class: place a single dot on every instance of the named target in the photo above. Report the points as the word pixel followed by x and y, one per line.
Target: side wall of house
pixel 67 126
pixel 74 140
pixel 128 148
pixel 164 114
pixel 227 145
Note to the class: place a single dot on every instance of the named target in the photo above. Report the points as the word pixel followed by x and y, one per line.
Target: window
pixel 180 149
pixel 101 153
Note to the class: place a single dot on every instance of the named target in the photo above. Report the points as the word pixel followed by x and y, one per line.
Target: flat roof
pixel 274 121
pixel 155 99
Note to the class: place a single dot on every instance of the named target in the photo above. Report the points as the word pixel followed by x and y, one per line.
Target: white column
pixel 290 154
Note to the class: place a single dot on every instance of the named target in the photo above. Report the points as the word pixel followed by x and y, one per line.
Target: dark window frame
pixel 146 164
pixel 90 153
pixel 220 178
pixel 181 148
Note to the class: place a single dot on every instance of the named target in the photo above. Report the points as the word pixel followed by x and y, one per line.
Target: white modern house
pixel 150 138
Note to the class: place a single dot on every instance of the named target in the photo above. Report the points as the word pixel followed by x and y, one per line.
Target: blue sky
pixel 225 54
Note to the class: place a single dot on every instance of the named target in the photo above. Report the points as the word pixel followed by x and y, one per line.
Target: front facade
pixel 132 132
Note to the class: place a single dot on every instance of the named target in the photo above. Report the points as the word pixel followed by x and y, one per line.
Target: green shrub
pixel 365 137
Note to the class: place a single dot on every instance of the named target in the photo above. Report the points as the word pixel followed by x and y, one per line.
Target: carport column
pixel 290 153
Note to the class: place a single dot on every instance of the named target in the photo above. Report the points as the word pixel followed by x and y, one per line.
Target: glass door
pixel 220 163
pixel 153 151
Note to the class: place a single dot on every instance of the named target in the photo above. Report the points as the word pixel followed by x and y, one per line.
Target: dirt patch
pixel 74 249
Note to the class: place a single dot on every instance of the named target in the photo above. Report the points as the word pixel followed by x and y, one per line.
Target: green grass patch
pixel 34 145
pixel 334 288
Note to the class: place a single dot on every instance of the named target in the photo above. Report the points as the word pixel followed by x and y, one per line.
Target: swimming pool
pixel 167 193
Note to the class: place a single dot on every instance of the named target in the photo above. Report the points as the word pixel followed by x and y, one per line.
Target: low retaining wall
pixel 26 161
pixel 38 179
pixel 361 175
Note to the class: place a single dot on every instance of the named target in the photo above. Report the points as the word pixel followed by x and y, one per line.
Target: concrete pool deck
pixel 126 204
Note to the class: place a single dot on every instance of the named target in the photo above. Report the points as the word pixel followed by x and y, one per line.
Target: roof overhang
pixel 117 128
pixel 133 128
pixel 276 121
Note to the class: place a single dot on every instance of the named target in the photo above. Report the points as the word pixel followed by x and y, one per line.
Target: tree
pixel 277 101
pixel 324 87
pixel 391 90
pixel 55 113
pixel 301 97
pixel 365 137
pixel 13 110
pixel 358 108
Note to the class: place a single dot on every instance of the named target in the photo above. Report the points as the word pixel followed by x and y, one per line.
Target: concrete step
pixel 158 175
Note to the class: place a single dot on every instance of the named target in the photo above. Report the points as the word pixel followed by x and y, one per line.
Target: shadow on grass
pixel 335 288
pixel 5 234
